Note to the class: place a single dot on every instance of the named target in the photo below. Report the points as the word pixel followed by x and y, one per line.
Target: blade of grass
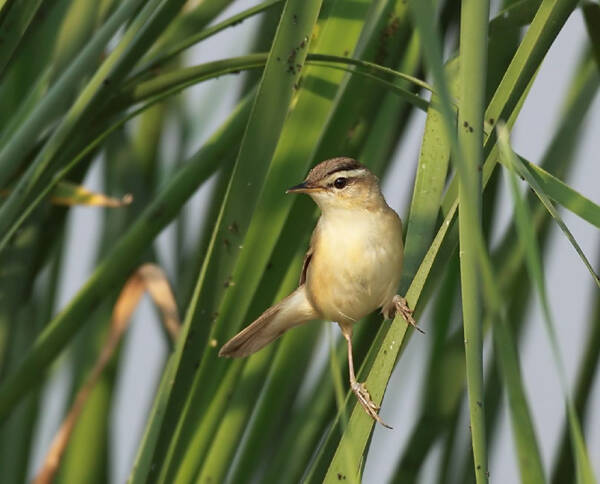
pixel 563 194
pixel 169 51
pixel 439 400
pixel 220 455
pixel 503 42
pixel 376 152
pixel 171 84
pixel 544 198
pixel 271 105
pixel 476 267
pixel 108 273
pixel 558 157
pixel 150 278
pixel 142 31
pixel 432 170
pixel 563 464
pixel 140 90
pixel 584 472
pixel 190 21
pixel 505 102
pixel 12 154
pixel 473 68
pixel 244 275
pixel 13 29
pixel 591 15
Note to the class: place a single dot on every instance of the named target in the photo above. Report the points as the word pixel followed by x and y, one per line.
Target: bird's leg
pixel 359 389
pixel 399 305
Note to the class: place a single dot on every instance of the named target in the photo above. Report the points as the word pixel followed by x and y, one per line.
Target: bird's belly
pixel 351 276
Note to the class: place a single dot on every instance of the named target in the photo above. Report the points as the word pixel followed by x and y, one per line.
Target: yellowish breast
pixel 356 263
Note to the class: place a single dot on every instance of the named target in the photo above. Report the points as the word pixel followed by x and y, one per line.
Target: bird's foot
pixel 402 307
pixel 364 398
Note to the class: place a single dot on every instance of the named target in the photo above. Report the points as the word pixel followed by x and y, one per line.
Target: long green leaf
pixel 505 102
pixel 473 68
pixel 218 459
pixel 140 90
pixel 19 145
pixel 169 51
pixel 136 40
pixel 355 104
pixel 108 274
pixel 563 194
pixel 583 466
pixel 545 199
pixel 587 370
pixel 13 28
pixel 591 15
pixel 269 111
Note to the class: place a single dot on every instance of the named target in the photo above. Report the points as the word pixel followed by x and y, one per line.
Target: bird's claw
pixel 406 312
pixel 364 398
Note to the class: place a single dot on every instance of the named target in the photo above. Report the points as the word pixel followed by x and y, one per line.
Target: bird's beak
pixel 301 188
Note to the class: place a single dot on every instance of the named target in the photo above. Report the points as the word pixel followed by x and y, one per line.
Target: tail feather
pixel 289 312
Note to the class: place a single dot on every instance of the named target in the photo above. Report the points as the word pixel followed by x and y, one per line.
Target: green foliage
pixel 333 77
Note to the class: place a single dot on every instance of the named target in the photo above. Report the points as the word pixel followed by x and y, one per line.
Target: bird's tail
pixel 287 313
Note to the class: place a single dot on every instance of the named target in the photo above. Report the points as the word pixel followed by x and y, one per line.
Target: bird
pixel 352 267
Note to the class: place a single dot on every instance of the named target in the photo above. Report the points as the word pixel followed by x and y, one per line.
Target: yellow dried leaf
pixel 67 193
pixel 150 278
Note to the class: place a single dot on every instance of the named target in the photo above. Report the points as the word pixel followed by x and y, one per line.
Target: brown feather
pixel 289 312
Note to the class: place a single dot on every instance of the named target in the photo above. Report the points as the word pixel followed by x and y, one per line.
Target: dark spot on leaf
pixel 158 212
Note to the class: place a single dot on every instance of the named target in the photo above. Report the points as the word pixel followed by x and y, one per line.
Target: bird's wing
pixel 305 265
pixel 308 256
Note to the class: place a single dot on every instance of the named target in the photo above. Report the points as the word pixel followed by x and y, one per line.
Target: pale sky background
pixel 570 286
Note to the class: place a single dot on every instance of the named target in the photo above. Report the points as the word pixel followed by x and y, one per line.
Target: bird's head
pixel 341 183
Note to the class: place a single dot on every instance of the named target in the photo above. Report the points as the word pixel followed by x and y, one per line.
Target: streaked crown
pixel 341 183
pixel 330 170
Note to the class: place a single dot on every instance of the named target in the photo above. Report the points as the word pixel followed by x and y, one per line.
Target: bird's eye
pixel 340 183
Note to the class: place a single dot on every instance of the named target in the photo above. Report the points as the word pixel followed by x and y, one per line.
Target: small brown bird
pixel 352 267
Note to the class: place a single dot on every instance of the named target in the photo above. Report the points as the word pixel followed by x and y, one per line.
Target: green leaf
pixel 269 111
pixel 136 39
pixel 60 330
pixel 563 194
pixel 545 199
pixel 506 103
pixel 13 153
pixel 473 68
pixel 139 90
pixel 167 52
pixel 13 28
pixel 533 259
pixel 591 15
